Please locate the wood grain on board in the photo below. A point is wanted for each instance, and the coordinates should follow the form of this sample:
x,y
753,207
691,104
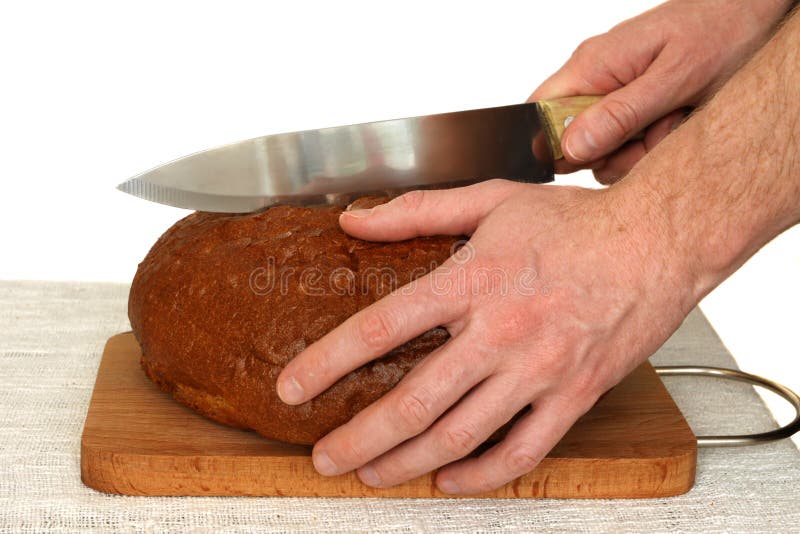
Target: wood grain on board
x,y
138,441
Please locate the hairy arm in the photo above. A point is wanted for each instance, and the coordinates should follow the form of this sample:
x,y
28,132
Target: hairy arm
x,y
652,69
728,180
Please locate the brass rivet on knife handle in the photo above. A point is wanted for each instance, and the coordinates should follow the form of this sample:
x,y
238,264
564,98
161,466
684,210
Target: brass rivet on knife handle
x,y
556,114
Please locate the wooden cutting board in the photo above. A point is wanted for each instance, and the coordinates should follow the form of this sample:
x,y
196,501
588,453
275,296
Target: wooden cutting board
x,y
138,441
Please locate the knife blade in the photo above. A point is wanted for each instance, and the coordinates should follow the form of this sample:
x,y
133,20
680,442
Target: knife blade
x,y
336,165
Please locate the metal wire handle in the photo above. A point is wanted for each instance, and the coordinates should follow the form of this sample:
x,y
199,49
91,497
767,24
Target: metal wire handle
x,y
739,376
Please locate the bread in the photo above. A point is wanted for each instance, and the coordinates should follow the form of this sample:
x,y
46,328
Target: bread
x,y
222,302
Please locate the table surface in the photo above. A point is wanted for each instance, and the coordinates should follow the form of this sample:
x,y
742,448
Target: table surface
x,y
51,338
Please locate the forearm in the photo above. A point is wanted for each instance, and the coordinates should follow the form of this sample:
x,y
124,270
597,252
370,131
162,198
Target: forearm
x,y
753,21
728,180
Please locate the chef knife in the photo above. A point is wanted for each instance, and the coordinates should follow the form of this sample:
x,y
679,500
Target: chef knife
x,y
336,165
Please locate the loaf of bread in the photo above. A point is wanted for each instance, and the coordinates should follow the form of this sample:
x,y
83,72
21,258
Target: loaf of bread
x,y
222,302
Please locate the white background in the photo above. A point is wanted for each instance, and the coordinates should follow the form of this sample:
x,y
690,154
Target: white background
x,y
92,93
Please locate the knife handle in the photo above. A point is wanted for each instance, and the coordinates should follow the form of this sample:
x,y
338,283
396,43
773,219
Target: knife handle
x,y
556,114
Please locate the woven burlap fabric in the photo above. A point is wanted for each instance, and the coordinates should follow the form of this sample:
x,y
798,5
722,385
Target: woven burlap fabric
x,y
51,338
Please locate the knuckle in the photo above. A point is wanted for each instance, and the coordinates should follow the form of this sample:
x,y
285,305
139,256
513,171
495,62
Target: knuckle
x,y
376,330
521,459
495,183
413,200
508,326
587,47
458,442
584,390
415,410
585,385
622,117
555,363
482,485
352,452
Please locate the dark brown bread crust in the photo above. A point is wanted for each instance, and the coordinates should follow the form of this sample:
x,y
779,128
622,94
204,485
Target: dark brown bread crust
x,y
222,302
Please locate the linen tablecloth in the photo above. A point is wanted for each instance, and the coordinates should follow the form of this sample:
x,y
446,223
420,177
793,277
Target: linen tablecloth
x,y
51,338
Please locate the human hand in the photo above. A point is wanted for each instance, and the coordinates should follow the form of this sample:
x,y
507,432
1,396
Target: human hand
x,y
653,68
558,294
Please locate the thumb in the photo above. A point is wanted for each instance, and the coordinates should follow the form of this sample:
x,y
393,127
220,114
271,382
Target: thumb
x,y
620,115
427,212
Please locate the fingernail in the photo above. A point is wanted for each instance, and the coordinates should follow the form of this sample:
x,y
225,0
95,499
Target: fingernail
x,y
324,465
369,476
448,485
290,391
358,214
580,145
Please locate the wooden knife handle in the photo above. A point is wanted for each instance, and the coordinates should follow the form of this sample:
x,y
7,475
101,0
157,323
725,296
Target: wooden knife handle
x,y
556,114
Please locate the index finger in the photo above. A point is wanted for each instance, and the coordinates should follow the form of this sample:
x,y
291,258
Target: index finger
x,y
564,82
372,332
580,75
